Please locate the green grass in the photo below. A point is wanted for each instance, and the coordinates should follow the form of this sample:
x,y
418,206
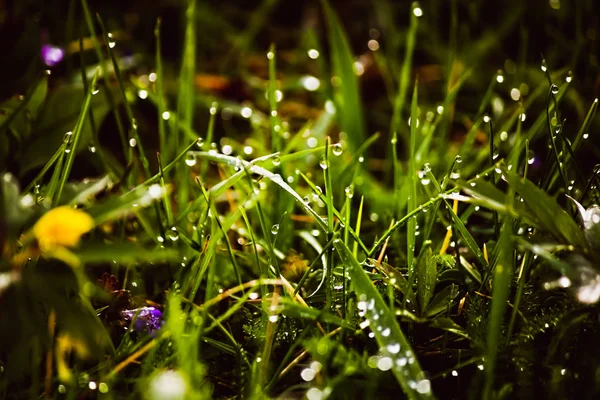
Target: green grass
x,y
420,225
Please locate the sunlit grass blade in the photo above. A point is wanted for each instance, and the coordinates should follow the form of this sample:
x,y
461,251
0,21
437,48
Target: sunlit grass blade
x,y
330,225
256,169
389,336
556,220
412,193
335,212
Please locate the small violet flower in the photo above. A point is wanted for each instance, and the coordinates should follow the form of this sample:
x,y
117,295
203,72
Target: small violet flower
x,y
51,55
149,319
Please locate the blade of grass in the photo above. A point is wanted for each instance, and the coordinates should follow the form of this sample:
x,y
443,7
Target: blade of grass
x,y
412,194
330,227
74,142
403,84
389,336
346,95
160,94
132,124
186,97
103,74
501,283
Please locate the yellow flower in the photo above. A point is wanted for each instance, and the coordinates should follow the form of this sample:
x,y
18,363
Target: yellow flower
x,y
61,226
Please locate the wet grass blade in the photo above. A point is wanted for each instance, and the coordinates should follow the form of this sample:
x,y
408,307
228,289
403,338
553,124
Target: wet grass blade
x,y
389,336
330,224
135,140
427,278
554,219
412,195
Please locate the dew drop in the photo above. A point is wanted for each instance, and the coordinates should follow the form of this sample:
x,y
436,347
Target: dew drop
x,y
68,137
554,89
190,159
569,77
111,41
275,229
499,76
337,149
323,163
349,190
276,160
393,348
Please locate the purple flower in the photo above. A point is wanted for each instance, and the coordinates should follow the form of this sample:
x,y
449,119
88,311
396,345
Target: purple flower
x,y
148,319
52,55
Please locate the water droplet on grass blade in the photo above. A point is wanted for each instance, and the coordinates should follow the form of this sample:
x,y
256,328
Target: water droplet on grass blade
x,y
275,229
323,163
337,149
569,77
190,159
173,234
68,137
276,160
349,190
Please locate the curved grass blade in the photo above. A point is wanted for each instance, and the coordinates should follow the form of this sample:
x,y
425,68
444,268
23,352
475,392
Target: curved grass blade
x,y
389,336
255,169
556,220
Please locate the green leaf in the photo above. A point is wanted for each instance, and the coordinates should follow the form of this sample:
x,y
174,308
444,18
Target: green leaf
x,y
58,116
13,213
125,204
296,310
501,283
440,301
550,215
19,113
426,278
389,336
448,325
